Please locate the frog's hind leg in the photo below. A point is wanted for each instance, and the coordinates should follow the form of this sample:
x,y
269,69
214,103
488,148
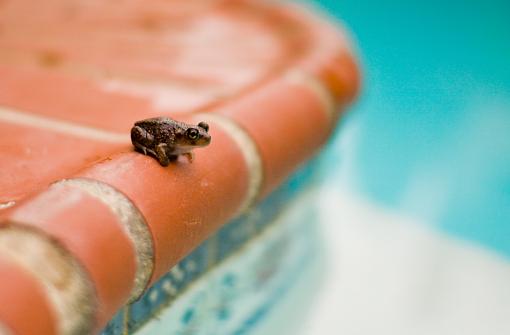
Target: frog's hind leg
x,y
140,148
141,139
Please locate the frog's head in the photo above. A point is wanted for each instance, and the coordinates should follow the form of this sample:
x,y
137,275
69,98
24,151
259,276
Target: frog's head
x,y
194,136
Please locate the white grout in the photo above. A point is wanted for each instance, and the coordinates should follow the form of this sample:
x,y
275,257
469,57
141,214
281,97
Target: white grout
x,y
60,126
131,219
250,152
326,98
64,280
5,205
4,330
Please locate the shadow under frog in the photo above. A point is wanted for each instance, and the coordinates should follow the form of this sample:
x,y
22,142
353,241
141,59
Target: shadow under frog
x,y
166,139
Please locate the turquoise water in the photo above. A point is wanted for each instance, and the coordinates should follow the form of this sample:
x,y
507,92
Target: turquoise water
x,y
430,134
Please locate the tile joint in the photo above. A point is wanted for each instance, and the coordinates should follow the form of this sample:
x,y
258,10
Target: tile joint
x,y
132,221
250,152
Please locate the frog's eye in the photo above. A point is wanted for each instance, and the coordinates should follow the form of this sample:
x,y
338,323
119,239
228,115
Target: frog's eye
x,y
192,133
204,126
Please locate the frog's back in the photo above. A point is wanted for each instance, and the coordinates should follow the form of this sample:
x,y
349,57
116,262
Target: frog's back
x,y
155,121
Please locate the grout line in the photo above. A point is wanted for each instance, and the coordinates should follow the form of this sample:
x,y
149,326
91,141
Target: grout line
x,y
61,126
212,251
5,205
132,221
4,330
301,78
65,282
250,152
126,312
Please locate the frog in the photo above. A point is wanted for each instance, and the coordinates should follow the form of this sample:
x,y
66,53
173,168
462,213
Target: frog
x,y
165,138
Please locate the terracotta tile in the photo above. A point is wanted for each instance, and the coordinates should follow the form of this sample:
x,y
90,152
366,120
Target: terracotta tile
x,y
184,202
67,98
31,158
190,64
340,74
92,233
162,55
329,54
287,122
65,282
25,309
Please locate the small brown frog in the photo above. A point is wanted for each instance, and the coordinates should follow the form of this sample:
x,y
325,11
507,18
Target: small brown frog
x,y
166,139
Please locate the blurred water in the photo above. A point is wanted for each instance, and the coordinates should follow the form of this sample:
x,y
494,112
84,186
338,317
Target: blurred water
x,y
430,134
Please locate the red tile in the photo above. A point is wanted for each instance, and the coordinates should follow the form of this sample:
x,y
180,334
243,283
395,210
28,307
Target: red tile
x,y
25,308
88,229
340,74
126,70
32,158
288,123
329,55
66,98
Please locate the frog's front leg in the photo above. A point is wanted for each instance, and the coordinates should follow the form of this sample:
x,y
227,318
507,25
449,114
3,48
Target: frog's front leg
x,y
141,139
190,156
161,154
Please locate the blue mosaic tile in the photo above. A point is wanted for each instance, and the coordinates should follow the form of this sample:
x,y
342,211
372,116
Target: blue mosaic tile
x,y
226,241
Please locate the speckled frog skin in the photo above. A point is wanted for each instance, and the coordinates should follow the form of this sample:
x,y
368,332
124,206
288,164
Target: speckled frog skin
x,y
166,139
